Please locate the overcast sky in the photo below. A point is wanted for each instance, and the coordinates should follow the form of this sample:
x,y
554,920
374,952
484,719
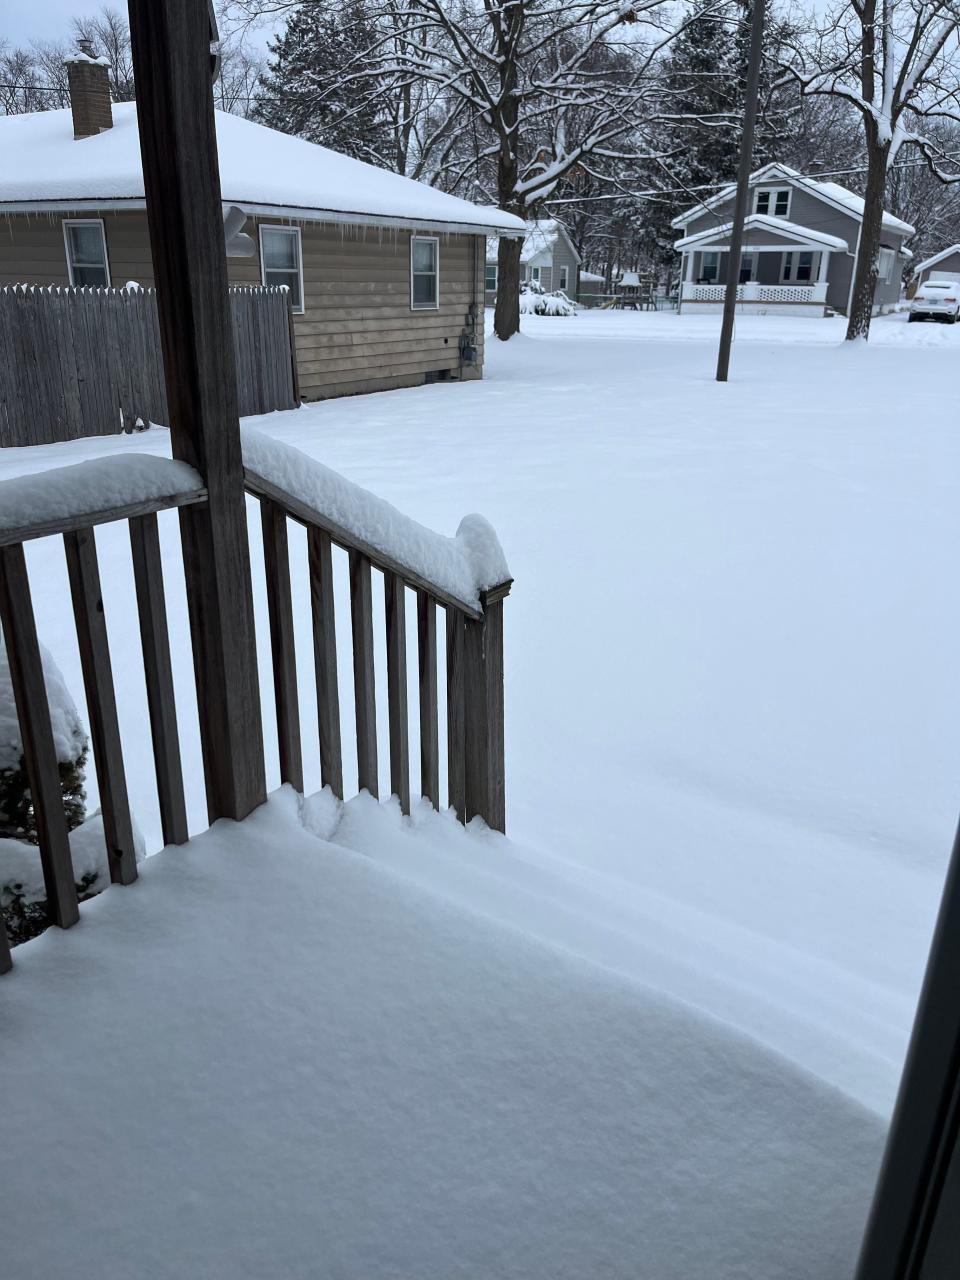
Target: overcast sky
x,y
42,19
25,20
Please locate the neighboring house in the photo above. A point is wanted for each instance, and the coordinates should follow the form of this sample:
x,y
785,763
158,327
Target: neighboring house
x,y
385,274
591,290
799,248
548,256
942,266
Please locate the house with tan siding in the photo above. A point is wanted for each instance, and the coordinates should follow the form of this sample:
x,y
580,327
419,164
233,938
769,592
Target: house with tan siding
x,y
385,274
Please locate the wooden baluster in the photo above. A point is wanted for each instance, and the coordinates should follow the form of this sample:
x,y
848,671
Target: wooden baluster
x,y
429,727
325,658
158,673
361,608
101,703
6,960
456,750
276,563
396,618
483,681
36,732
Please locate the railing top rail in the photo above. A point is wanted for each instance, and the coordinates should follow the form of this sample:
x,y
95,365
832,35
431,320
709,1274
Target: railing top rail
x,y
466,571
99,491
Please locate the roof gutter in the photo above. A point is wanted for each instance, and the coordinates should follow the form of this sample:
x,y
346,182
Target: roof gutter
x,y
293,212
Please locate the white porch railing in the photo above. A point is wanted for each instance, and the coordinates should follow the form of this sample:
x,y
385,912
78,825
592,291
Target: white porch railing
x,y
754,292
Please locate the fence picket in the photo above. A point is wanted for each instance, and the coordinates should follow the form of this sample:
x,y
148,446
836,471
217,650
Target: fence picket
x,y
85,362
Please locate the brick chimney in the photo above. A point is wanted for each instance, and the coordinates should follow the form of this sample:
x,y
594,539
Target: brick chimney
x,y
89,79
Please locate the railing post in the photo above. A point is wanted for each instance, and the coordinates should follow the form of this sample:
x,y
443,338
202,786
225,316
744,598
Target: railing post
x,y
483,681
170,42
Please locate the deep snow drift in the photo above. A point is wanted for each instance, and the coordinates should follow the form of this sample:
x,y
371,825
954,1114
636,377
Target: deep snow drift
x,y
732,700
273,1057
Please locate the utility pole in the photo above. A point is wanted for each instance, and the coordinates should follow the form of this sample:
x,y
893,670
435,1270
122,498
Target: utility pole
x,y
743,187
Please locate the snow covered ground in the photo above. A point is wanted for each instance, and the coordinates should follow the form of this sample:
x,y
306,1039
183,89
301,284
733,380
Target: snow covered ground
x,y
731,680
274,1058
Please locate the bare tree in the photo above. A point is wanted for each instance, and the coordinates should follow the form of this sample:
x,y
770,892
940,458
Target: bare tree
x,y
895,63
507,98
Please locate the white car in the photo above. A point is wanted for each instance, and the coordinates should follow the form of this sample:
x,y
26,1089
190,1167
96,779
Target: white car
x,y
936,300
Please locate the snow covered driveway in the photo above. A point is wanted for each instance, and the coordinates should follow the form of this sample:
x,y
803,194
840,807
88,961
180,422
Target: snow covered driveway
x,y
732,672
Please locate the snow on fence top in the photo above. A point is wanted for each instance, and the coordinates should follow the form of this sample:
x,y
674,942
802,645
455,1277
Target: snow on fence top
x,y
49,500
463,566
261,170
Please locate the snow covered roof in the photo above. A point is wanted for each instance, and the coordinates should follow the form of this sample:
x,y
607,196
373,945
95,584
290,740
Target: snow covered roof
x,y
937,257
631,279
830,192
766,222
541,236
261,170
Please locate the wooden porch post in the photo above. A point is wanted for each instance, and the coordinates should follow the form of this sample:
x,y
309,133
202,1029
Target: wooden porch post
x,y
170,42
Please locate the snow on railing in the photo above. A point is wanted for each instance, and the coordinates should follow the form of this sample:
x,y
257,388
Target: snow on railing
x,y
461,567
467,575
93,492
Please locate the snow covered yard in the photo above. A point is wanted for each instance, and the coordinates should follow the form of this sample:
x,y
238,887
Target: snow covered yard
x,y
732,758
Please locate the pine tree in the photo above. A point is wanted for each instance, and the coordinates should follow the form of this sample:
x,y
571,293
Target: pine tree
x,y
307,89
703,92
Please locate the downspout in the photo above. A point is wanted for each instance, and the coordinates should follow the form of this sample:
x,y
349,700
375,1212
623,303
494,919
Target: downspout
x,y
853,269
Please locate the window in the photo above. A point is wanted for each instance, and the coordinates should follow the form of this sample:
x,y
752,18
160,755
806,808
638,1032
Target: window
x,y
748,263
775,202
424,273
490,278
798,267
86,253
535,274
563,278
710,267
281,262
885,265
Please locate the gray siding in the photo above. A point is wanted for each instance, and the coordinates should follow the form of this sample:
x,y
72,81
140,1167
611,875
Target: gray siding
x,y
563,256
358,331
950,264
805,209
808,211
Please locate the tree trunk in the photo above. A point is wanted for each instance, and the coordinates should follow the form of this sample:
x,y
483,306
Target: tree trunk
x,y
868,248
506,317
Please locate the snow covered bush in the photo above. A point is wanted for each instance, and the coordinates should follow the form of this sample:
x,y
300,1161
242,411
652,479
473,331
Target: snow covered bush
x,y
535,301
22,899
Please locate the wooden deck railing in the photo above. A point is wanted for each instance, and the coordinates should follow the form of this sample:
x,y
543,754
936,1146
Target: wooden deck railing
x,y
474,638
474,668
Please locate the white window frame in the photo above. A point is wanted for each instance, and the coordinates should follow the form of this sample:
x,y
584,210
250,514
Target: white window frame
x,y
710,253
794,256
564,274
491,266
748,262
535,274
886,276
85,222
773,192
293,231
425,306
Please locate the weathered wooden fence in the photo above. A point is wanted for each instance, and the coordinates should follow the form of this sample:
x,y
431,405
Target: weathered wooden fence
x,y
87,362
